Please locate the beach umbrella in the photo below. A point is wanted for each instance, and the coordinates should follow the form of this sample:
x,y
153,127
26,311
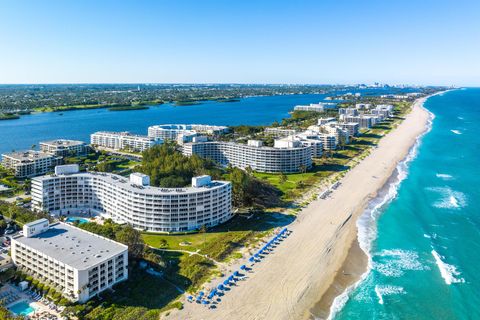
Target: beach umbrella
x,y
204,302
220,286
226,282
201,293
251,259
243,267
236,273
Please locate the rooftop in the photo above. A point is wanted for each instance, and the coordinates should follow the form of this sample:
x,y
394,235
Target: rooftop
x,y
72,246
126,184
63,142
28,155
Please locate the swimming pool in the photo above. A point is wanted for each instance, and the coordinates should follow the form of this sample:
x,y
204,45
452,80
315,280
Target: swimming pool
x,y
77,219
22,309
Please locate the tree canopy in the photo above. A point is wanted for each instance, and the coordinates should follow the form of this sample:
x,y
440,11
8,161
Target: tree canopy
x,y
169,168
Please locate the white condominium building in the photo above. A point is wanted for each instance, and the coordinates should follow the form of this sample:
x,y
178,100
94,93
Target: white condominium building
x,y
183,133
383,110
363,106
134,201
123,141
348,111
364,121
340,134
329,141
30,163
304,139
254,155
280,132
77,263
317,107
322,121
64,148
351,127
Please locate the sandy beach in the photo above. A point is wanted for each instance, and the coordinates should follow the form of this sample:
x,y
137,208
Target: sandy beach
x,y
321,256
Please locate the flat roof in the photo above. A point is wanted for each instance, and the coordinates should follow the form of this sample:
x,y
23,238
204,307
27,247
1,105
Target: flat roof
x,y
63,142
28,155
72,246
126,184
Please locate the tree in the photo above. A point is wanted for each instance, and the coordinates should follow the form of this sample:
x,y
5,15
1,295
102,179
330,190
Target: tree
x,y
133,239
283,178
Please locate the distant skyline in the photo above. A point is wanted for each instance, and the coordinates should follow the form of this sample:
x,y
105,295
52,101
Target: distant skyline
x,y
302,42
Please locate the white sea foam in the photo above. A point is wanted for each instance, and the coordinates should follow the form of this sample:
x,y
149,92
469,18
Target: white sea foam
x,y
382,291
366,224
449,198
444,176
394,263
456,131
448,272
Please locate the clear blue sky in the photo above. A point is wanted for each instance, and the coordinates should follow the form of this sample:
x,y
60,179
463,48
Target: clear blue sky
x,y
202,41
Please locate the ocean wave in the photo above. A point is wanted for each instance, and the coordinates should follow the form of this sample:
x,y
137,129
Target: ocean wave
x,y
394,263
449,198
387,290
444,176
456,131
448,272
366,224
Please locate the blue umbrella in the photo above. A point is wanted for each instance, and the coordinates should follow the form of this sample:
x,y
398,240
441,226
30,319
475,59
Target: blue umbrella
x,y
243,267
226,282
201,293
204,302
251,259
220,287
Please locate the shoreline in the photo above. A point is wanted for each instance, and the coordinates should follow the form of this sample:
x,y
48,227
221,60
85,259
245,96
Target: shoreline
x,y
289,282
376,207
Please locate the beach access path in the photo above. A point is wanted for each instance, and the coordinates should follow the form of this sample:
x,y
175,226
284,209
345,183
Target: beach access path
x,y
289,281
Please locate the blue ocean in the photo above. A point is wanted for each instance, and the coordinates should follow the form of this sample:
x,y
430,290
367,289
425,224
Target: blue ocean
x,y
422,234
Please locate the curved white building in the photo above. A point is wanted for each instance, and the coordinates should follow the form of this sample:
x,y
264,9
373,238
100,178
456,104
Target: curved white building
x,y
134,201
289,159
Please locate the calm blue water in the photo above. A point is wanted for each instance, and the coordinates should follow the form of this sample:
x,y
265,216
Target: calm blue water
x,y
29,130
426,247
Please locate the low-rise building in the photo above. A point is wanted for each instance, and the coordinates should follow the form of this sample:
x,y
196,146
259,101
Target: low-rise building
x,y
30,163
64,148
77,263
123,141
133,200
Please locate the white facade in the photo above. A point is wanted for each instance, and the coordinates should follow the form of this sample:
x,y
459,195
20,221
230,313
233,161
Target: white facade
x,y
30,163
133,201
257,157
280,132
64,148
183,133
77,263
317,107
123,141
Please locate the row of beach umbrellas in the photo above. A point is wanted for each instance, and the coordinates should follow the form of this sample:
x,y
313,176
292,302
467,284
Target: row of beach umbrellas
x,y
203,299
